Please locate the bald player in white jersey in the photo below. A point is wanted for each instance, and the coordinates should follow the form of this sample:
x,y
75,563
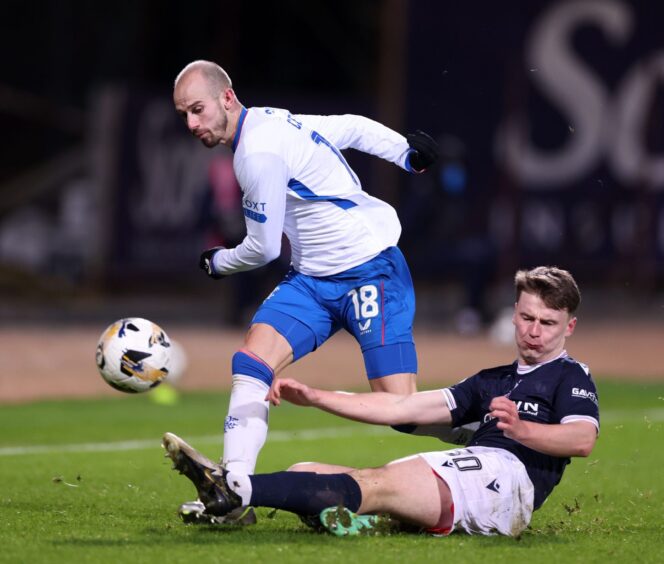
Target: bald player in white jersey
x,y
346,270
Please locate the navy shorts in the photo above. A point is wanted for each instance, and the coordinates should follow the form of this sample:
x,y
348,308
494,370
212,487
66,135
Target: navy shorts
x,y
374,302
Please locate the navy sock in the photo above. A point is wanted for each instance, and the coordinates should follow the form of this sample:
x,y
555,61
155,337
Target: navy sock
x,y
304,493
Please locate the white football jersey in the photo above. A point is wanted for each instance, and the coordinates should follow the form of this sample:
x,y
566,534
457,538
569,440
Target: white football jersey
x,y
295,180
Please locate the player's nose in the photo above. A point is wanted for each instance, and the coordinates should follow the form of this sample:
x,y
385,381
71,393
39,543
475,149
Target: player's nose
x,y
192,122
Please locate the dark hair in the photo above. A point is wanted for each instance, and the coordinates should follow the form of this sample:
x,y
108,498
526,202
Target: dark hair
x,y
554,286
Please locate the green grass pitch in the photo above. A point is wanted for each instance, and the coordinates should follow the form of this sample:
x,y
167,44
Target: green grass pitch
x,y
86,481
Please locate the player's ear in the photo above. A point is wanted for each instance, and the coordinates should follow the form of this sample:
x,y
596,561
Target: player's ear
x,y
571,324
227,98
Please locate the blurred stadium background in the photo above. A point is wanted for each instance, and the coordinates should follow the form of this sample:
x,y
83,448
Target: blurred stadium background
x,y
549,115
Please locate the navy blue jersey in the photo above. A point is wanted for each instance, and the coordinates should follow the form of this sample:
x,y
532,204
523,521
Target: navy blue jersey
x,y
559,391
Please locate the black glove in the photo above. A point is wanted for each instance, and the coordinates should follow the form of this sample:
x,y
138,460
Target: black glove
x,y
205,263
424,150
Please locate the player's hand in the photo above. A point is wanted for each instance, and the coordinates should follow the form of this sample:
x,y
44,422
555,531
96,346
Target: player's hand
x,y
292,391
424,150
505,410
205,263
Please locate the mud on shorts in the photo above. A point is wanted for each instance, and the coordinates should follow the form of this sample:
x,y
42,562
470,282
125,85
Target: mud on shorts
x,y
490,487
374,302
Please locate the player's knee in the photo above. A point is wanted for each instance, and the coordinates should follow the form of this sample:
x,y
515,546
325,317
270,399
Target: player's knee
x,y
302,467
248,364
301,339
402,384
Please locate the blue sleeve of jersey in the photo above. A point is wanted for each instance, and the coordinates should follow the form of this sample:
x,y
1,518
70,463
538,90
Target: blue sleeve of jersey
x,y
466,398
576,396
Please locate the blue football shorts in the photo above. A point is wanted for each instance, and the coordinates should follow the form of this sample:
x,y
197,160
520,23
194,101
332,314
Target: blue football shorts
x,y
374,302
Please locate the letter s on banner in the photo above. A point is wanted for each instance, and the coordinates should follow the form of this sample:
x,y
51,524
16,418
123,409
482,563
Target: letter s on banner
x,y
574,88
629,159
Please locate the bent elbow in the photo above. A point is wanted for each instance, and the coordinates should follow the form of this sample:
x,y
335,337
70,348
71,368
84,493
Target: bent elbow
x,y
271,252
585,448
264,252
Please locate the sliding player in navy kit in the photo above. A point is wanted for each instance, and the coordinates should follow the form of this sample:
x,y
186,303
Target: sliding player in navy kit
x,y
346,271
534,415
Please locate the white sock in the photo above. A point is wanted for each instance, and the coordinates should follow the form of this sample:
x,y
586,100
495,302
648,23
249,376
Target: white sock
x,y
245,427
241,485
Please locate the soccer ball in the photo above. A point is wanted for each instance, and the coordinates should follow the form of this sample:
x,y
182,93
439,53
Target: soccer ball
x,y
133,355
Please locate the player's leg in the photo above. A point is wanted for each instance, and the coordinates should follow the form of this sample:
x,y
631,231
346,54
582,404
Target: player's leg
x,y
320,468
253,367
245,425
491,489
478,490
481,491
266,342
403,496
288,325
380,316
376,301
407,490
402,383
314,521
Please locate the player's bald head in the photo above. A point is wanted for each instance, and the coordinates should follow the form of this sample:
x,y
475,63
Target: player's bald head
x,y
216,78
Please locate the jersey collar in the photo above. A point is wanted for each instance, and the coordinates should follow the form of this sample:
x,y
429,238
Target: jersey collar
x,y
240,123
526,369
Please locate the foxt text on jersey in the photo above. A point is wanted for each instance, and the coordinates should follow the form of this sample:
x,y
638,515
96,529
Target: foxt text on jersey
x,y
252,210
258,206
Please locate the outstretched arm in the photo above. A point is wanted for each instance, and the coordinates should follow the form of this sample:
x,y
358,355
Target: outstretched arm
x,y
576,438
380,408
414,153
